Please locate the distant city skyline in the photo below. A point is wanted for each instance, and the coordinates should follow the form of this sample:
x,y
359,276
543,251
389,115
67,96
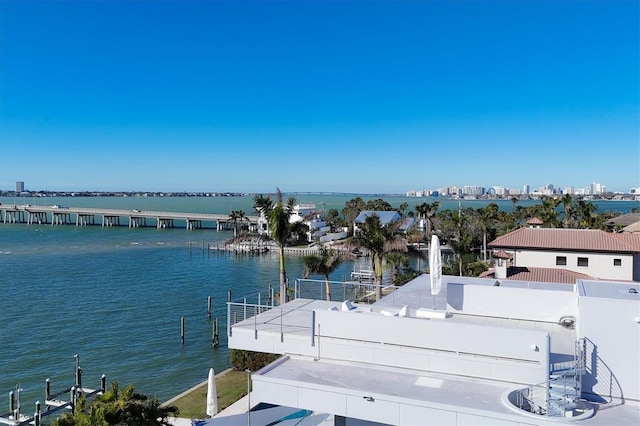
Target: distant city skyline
x,y
593,188
356,97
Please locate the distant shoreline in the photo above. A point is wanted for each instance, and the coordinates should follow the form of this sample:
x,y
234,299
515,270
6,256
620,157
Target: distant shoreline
x,y
520,197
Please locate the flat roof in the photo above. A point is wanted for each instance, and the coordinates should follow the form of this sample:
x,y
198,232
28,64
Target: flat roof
x,y
432,390
612,290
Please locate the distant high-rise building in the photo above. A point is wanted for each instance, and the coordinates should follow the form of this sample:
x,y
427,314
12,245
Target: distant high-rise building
x,y
526,189
19,186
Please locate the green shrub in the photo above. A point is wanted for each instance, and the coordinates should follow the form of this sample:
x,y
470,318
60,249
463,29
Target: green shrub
x,y
248,360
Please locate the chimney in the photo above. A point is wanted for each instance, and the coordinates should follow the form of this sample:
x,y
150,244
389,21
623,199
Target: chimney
x,y
501,269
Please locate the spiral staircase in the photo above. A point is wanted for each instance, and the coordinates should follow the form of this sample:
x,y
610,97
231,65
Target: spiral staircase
x,y
559,396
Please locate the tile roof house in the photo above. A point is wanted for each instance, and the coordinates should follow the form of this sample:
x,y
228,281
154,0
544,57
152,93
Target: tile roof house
x,y
547,275
623,220
589,252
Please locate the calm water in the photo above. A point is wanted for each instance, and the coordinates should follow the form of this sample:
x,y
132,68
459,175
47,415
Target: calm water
x,y
116,295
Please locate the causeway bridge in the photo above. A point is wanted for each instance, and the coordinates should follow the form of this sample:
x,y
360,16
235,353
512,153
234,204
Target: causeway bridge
x,y
134,218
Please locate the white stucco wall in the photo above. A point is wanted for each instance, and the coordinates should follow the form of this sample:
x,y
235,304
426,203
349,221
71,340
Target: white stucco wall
x,y
611,328
498,353
517,303
600,264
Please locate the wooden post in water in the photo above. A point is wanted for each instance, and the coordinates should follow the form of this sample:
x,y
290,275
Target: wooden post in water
x,y
215,338
78,373
12,402
37,416
182,330
72,398
209,306
47,390
103,383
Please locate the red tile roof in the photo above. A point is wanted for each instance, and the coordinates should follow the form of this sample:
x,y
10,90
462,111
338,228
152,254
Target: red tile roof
x,y
501,254
568,239
535,221
547,275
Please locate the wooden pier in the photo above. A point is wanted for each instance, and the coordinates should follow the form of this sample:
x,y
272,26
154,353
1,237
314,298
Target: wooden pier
x,y
134,218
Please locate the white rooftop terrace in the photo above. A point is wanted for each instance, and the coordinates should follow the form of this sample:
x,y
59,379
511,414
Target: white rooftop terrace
x,y
370,363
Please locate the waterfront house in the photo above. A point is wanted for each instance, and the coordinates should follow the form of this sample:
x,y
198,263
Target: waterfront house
x,y
475,354
386,218
590,252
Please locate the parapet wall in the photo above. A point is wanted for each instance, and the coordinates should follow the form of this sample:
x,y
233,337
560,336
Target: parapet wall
x,y
437,345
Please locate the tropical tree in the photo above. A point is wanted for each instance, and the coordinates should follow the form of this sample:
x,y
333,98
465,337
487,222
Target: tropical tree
x,y
586,214
351,210
567,203
119,407
332,218
325,263
279,226
403,207
262,204
547,212
427,212
237,216
379,205
487,216
454,228
514,200
395,261
380,240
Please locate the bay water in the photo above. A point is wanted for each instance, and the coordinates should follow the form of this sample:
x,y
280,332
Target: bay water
x,y
116,295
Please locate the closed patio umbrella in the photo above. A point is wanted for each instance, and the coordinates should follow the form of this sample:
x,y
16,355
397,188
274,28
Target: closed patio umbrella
x,y
212,395
435,267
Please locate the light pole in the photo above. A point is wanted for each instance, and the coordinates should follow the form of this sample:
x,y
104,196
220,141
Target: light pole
x,y
248,396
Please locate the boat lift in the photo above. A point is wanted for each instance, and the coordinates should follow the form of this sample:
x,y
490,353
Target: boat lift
x,y
53,402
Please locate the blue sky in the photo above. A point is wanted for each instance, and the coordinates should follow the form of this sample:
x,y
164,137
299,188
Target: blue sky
x,y
346,96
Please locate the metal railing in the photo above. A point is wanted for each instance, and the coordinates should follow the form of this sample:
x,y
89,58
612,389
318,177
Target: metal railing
x,y
364,292
559,394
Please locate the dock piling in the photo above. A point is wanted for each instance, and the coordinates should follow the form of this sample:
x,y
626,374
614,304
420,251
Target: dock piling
x,y
209,306
37,416
215,338
182,330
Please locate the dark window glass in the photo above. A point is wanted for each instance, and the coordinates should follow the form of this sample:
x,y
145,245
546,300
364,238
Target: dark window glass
x,y
583,261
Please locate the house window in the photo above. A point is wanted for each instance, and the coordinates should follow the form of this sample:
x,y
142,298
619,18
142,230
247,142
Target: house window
x,y
617,262
561,260
583,261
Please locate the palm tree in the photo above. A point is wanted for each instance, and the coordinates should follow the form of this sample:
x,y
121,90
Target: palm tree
x,y
586,213
487,215
567,203
262,204
351,210
394,261
237,216
403,207
279,230
514,200
325,263
380,240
